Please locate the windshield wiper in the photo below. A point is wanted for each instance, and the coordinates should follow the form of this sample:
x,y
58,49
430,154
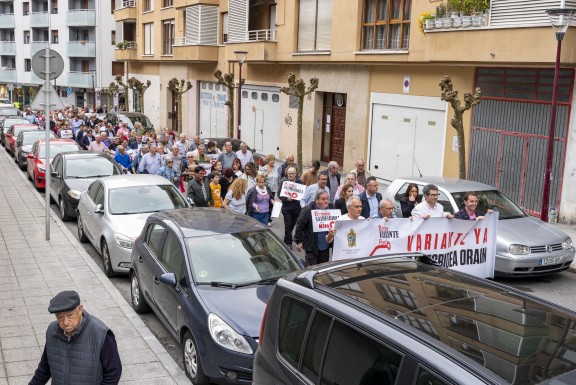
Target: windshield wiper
x,y
267,281
96,176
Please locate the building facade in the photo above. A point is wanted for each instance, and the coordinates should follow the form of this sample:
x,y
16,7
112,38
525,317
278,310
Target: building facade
x,y
81,31
379,72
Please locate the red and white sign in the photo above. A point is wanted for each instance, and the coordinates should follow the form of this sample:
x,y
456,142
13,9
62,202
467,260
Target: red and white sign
x,y
292,190
323,220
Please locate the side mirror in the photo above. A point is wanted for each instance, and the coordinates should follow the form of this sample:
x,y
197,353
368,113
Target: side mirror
x,y
168,279
99,209
54,174
190,201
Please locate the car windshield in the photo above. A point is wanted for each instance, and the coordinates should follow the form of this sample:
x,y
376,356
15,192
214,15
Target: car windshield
x,y
494,200
19,129
92,167
56,148
144,199
133,119
239,259
31,137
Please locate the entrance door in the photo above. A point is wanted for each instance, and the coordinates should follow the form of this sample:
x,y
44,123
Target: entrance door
x,y
333,128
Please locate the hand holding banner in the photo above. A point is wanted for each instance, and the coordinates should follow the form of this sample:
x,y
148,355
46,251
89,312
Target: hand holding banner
x,y
292,190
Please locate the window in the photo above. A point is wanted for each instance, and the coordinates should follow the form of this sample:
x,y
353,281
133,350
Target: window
x,y
27,65
26,37
275,98
386,24
153,237
55,36
149,39
294,317
427,378
315,346
54,6
254,95
315,25
148,5
224,27
173,260
264,97
244,94
168,30
25,8
93,190
166,3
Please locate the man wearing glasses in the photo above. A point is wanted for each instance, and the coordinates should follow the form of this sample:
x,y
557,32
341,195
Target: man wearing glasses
x,y
430,206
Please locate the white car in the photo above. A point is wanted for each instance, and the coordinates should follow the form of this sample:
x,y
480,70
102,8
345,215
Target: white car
x,y
112,213
6,103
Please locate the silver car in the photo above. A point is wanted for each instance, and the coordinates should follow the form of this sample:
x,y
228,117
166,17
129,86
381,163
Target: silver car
x,y
525,245
113,210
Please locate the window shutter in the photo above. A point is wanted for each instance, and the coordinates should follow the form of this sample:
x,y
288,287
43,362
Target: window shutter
x,y
148,39
208,25
521,12
324,27
193,25
307,25
237,21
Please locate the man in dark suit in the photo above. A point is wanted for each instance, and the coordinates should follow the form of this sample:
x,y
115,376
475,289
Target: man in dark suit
x,y
199,189
370,199
470,211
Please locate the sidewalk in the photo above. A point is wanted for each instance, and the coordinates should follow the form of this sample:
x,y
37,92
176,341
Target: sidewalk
x,y
33,270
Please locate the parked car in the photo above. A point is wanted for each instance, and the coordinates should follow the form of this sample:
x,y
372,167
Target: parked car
x,y
113,210
393,320
72,173
130,118
5,124
525,245
36,162
24,142
208,274
259,158
9,111
6,103
13,132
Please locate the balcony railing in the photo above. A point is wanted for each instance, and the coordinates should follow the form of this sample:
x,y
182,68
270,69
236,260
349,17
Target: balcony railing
x,y
7,20
120,4
126,44
80,79
36,46
262,35
81,48
181,41
38,19
81,18
8,75
8,48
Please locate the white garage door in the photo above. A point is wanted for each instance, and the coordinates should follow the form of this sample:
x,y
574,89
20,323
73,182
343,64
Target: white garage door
x,y
213,112
261,118
407,136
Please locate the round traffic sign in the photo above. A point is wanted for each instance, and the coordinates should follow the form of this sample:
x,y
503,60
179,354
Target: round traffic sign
x,y
39,64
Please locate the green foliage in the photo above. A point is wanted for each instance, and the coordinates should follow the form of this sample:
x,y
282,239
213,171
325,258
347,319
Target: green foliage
x,y
422,20
468,7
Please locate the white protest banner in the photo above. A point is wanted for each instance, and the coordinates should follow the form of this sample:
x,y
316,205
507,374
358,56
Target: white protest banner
x,y
207,167
213,157
292,190
323,220
276,209
466,246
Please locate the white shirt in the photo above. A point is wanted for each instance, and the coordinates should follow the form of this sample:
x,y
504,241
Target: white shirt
x,y
424,208
345,217
244,157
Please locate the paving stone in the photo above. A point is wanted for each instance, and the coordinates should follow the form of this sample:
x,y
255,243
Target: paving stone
x,y
22,354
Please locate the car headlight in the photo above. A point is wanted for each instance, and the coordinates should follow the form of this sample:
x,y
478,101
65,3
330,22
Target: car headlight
x,y
226,337
567,244
41,168
519,249
74,194
124,241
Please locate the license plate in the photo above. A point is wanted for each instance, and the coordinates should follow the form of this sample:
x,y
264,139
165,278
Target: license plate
x,y
551,261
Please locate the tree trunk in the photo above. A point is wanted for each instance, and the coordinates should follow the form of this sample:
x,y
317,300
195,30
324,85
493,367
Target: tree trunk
x,y
231,112
299,144
458,125
179,106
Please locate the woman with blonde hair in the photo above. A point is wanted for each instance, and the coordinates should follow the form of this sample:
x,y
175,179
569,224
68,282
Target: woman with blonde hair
x,y
235,199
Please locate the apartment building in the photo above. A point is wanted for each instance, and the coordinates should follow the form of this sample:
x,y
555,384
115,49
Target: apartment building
x,y
379,95
81,31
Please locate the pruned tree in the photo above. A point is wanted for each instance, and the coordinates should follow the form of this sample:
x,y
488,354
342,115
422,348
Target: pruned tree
x,y
450,95
179,87
297,88
139,87
227,80
120,83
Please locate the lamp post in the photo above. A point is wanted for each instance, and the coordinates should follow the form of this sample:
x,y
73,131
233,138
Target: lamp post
x,y
240,56
560,19
93,90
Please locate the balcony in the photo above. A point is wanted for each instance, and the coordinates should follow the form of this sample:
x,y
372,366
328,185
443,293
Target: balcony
x,y
31,78
81,18
8,76
7,20
126,51
8,48
81,48
126,10
187,3
186,49
80,79
36,46
38,19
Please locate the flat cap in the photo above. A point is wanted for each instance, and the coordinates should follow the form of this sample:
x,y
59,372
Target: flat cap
x,y
64,301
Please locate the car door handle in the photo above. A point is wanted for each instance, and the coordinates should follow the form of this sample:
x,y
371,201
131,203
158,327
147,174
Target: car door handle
x,y
156,281
140,259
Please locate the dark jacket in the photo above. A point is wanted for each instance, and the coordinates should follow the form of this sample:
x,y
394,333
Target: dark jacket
x,y
462,214
341,204
338,177
365,205
86,140
304,231
195,192
89,358
289,205
224,184
251,195
407,206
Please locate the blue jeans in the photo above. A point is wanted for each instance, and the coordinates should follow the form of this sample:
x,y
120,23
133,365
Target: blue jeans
x,y
261,217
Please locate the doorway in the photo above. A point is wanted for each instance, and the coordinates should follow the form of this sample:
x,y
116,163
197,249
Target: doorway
x,y
333,127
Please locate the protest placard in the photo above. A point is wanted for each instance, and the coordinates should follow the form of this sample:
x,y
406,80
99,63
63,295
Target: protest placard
x,y
292,190
323,220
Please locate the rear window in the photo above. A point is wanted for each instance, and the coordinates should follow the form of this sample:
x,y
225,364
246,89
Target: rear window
x,y
57,148
294,317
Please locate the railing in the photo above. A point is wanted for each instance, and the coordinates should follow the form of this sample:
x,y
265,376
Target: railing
x,y
36,46
8,48
80,79
7,20
8,75
81,18
180,41
81,48
126,44
262,35
38,19
125,4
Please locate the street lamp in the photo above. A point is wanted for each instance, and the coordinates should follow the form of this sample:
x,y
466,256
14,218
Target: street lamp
x,y
240,56
560,19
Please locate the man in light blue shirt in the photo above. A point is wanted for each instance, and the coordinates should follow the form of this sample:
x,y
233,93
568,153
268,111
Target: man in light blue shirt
x,y
311,190
151,162
228,156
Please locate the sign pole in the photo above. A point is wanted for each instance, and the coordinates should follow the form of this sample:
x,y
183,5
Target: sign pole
x,y
48,168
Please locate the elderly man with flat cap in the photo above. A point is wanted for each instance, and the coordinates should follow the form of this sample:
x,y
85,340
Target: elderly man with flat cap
x,y
79,348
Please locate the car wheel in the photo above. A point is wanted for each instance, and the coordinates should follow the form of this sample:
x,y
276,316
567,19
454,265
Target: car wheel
x,y
106,260
192,363
22,165
35,181
138,302
81,235
62,206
